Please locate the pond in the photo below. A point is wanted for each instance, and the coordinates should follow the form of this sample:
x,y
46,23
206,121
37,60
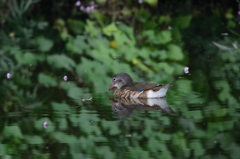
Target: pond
x,y
185,124
56,63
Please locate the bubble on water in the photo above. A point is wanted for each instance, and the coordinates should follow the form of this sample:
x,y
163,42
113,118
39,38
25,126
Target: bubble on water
x,y
65,78
9,75
45,124
186,70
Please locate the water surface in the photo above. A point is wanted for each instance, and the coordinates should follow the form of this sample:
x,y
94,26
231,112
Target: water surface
x,y
185,124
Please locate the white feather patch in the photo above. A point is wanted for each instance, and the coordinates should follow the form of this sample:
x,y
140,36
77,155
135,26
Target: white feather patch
x,y
158,101
160,93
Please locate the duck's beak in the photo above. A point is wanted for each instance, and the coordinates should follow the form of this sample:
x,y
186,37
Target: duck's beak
x,y
111,87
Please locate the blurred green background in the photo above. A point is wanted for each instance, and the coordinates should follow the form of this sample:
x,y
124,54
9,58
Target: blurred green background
x,y
42,41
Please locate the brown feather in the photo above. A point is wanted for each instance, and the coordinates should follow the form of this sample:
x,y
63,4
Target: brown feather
x,y
138,86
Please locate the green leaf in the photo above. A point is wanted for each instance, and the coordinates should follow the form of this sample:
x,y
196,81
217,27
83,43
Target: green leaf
x,y
64,138
130,53
3,148
166,68
75,93
112,128
43,44
86,122
178,68
91,29
225,90
184,86
78,45
42,25
34,140
62,124
175,52
28,58
61,61
127,31
163,37
105,152
92,69
47,80
162,54
13,131
101,1
38,124
60,107
111,30
68,85
197,148
149,34
125,39
156,146
183,21
77,26
163,137
151,2
196,115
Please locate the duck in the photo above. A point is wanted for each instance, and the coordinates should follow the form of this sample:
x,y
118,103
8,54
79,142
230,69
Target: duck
x,y
126,88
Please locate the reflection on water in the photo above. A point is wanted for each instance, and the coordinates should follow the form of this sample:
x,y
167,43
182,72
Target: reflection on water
x,y
183,125
123,107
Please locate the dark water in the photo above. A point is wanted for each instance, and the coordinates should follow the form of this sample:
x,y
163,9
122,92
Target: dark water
x,y
185,124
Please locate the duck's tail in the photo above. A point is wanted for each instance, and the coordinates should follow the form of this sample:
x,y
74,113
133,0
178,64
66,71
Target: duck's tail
x,y
161,92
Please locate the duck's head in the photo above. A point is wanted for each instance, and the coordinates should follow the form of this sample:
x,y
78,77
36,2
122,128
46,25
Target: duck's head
x,y
119,80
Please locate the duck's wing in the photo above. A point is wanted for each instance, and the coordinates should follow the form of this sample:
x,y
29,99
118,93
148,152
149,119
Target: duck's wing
x,y
142,86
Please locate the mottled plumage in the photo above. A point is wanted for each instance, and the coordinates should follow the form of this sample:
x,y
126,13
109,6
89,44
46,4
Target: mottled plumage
x,y
126,88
